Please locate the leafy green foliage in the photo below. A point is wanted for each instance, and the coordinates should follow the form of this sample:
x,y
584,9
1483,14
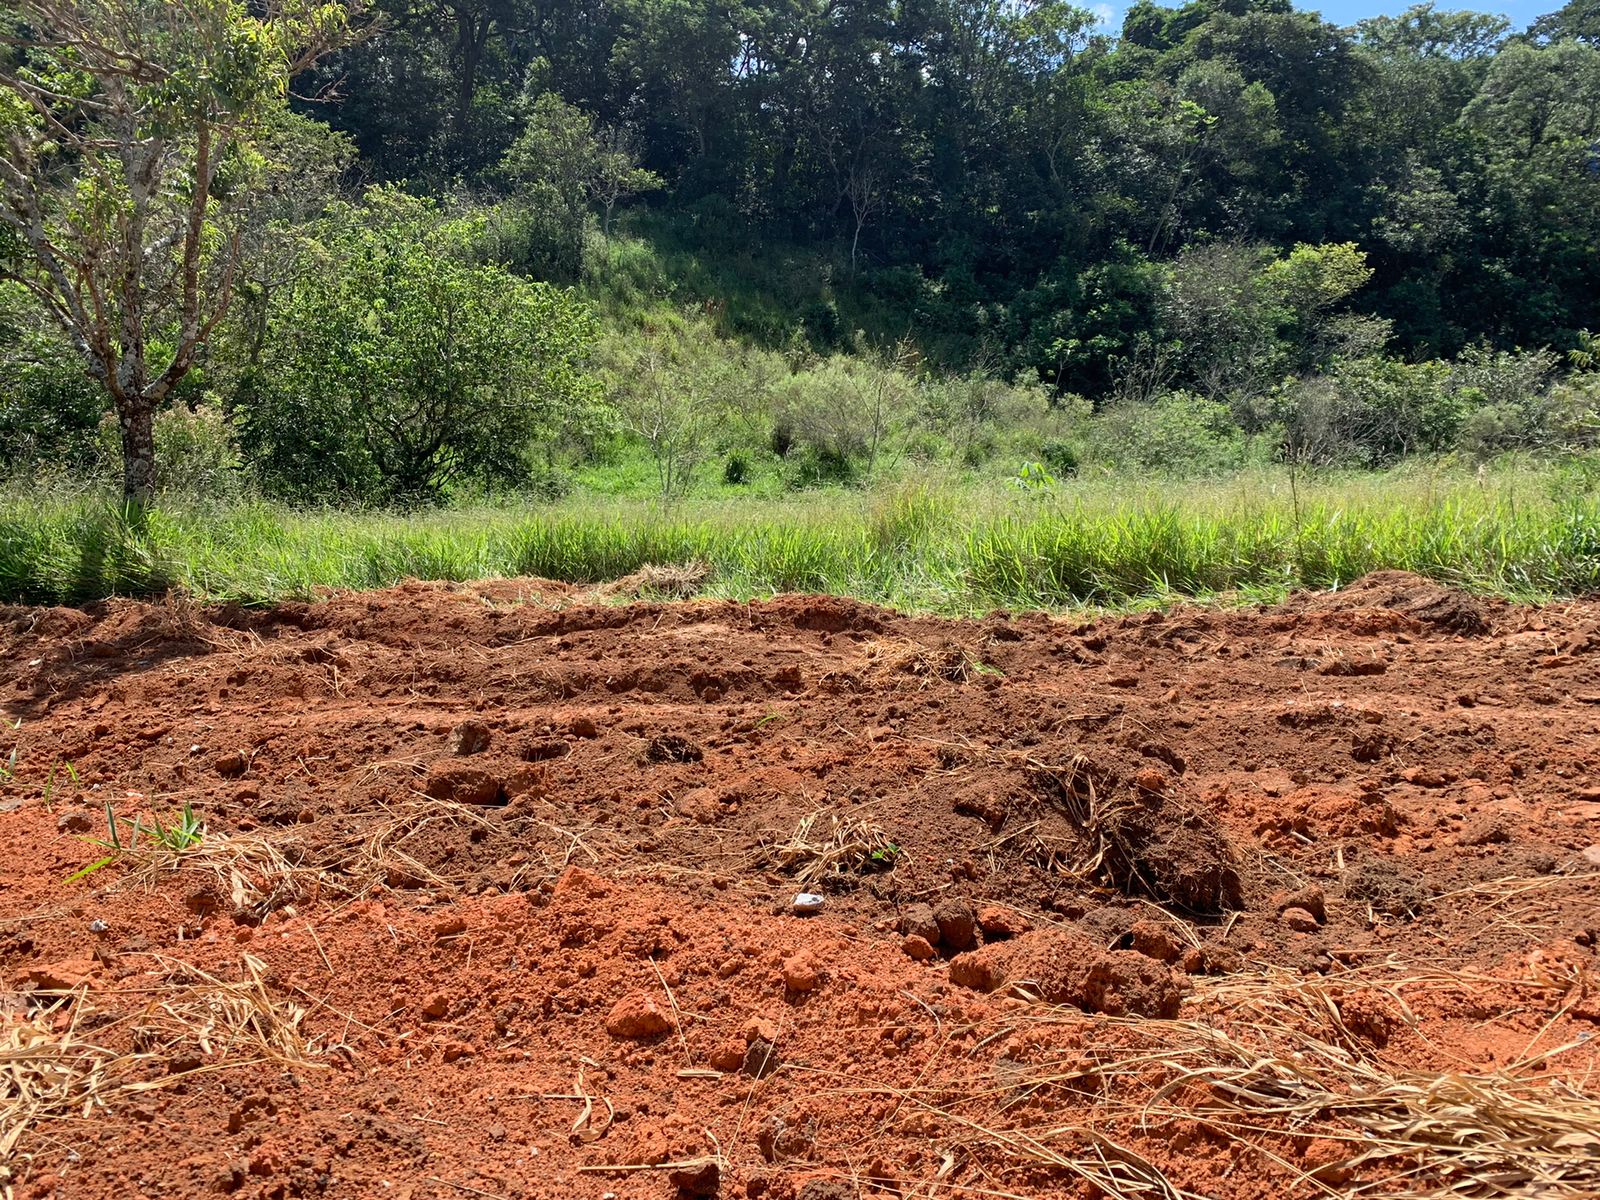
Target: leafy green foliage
x,y
559,165
115,121
184,831
399,370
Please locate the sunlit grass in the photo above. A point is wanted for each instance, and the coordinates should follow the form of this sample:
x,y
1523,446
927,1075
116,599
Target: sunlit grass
x,y
918,542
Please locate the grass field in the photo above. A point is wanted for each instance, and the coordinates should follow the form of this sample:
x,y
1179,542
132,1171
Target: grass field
x,y
917,542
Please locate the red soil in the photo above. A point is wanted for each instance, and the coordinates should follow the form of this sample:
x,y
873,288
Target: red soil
x,y
571,948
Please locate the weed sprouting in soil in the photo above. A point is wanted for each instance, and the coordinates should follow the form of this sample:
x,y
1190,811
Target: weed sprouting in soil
x,y
50,781
157,840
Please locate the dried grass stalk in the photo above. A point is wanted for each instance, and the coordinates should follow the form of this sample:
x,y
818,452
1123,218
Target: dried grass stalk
x,y
49,1074
231,1019
661,581
1097,811
948,660
827,843
1276,1058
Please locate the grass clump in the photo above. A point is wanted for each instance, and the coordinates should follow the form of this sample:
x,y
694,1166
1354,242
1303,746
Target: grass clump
x,y
924,545
156,840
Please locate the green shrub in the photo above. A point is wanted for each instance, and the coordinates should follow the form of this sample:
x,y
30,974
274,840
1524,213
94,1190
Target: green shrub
x,y
197,453
811,467
397,370
1061,457
1177,434
49,409
1374,411
977,413
846,413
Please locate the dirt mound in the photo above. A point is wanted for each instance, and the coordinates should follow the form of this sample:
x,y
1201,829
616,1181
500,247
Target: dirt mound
x,y
1064,967
466,889
1422,600
1145,836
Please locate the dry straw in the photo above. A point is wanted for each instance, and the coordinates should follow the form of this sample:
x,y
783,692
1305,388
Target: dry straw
x,y
948,660
50,1072
828,843
1270,1065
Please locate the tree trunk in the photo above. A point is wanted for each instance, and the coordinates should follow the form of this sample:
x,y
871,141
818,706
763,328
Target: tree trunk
x,y
472,33
137,418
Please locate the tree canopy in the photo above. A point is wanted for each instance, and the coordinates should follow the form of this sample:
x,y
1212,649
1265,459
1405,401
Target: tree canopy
x,y
1015,155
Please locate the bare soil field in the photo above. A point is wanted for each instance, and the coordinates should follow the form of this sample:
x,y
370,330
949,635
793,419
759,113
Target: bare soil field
x,y
495,897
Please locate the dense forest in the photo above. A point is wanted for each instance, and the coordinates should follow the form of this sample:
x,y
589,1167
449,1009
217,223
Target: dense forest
x,y
386,253
1010,173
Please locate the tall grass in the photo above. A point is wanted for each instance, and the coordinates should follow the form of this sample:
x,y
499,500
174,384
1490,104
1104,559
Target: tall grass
x,y
917,544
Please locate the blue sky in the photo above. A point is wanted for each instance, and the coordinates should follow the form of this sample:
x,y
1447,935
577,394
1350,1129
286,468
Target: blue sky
x,y
1347,12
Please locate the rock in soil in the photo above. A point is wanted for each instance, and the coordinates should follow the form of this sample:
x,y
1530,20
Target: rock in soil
x,y
1309,898
1155,940
917,920
464,785
801,973
918,947
637,1015
1063,967
469,737
957,924
760,1058
999,922
698,1179
1299,920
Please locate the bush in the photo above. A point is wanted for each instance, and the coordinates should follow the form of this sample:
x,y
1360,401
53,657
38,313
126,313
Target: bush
x,y
1176,434
814,468
846,413
49,409
48,415
1373,411
1061,457
821,324
1509,379
1569,414
975,413
397,370
1506,398
686,394
196,452
548,483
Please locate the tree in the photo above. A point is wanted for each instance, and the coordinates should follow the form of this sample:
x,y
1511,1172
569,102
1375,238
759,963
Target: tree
x,y
1226,319
399,369
561,163
616,174
1578,20
679,392
117,117
295,173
